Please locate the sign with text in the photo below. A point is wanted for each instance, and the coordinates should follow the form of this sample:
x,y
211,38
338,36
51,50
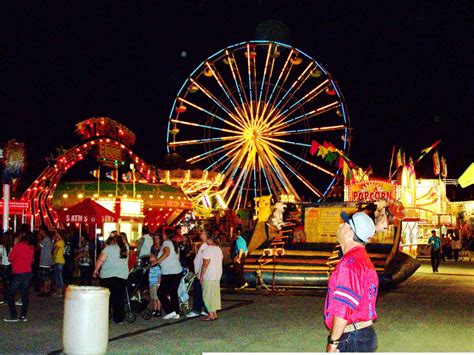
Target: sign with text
x,y
321,223
111,153
370,191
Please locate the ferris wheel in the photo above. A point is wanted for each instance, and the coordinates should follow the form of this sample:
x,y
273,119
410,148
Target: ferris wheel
x,y
251,112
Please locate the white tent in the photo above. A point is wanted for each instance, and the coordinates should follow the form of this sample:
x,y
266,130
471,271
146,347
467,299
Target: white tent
x,y
467,178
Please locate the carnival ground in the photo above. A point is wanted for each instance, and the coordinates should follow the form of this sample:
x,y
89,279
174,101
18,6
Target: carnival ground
x,y
427,313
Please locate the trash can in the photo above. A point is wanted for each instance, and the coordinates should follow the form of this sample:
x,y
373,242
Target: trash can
x,y
86,319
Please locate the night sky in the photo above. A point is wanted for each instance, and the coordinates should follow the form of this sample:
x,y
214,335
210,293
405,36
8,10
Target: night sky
x,y
405,69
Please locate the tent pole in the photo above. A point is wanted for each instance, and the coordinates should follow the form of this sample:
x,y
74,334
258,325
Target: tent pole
x,y
95,243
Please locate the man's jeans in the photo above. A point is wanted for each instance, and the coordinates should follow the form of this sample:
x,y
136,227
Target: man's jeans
x,y
58,276
435,259
21,282
363,340
198,303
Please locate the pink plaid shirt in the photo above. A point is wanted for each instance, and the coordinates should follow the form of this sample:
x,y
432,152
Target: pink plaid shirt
x,y
352,289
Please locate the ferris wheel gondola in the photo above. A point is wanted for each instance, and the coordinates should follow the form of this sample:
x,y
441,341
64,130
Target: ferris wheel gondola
x,y
251,112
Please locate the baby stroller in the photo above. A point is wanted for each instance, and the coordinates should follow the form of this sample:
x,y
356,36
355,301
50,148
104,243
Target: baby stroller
x,y
183,289
135,302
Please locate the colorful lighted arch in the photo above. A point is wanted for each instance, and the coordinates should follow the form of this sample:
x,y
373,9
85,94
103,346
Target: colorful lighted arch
x,y
99,133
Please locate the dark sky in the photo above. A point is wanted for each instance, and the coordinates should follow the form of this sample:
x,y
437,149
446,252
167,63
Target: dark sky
x,y
405,68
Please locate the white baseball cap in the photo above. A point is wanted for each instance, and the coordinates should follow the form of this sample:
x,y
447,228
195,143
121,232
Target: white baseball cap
x,y
362,225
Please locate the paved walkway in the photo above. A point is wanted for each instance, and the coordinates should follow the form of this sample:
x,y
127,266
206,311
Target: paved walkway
x,y
427,313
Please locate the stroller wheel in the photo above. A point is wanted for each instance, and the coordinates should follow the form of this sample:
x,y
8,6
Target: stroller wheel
x,y
130,317
146,314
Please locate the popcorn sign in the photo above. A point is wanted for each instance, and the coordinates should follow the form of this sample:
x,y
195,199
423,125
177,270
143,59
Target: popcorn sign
x,y
370,191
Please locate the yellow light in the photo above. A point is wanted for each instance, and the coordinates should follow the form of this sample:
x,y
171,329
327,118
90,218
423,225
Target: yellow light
x,y
80,195
65,195
150,196
139,196
161,196
95,195
110,195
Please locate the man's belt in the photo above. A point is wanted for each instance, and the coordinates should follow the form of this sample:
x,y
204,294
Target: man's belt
x,y
358,325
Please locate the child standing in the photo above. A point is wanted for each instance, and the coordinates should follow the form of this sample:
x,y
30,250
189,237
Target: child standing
x,y
154,278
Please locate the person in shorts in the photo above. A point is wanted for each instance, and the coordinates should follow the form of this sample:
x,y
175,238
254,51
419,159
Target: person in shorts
x,y
154,279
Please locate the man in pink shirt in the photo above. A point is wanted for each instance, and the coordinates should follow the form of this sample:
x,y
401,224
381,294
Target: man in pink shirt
x,y
352,291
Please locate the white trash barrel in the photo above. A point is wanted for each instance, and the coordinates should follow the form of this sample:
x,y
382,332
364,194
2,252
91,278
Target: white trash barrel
x,y
86,319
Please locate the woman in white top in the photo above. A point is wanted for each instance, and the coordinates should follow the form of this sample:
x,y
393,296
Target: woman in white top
x,y
171,273
210,277
5,267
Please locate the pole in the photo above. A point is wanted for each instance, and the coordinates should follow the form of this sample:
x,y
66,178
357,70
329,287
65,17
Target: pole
x,y
391,162
116,180
95,243
98,183
132,166
6,205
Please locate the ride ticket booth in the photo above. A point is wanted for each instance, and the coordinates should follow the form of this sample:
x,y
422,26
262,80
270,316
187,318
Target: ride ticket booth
x,y
130,212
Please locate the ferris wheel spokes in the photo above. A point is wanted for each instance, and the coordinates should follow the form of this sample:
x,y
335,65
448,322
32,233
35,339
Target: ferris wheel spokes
x,y
217,164
208,112
215,100
270,157
234,68
297,84
186,123
218,77
303,160
277,84
214,151
262,84
303,180
306,98
314,113
304,131
203,141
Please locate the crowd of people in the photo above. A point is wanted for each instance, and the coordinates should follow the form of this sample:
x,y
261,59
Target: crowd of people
x,y
169,253
46,260
448,247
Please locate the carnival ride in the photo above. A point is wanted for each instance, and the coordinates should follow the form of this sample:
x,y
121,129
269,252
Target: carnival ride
x,y
250,112
105,139
200,186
